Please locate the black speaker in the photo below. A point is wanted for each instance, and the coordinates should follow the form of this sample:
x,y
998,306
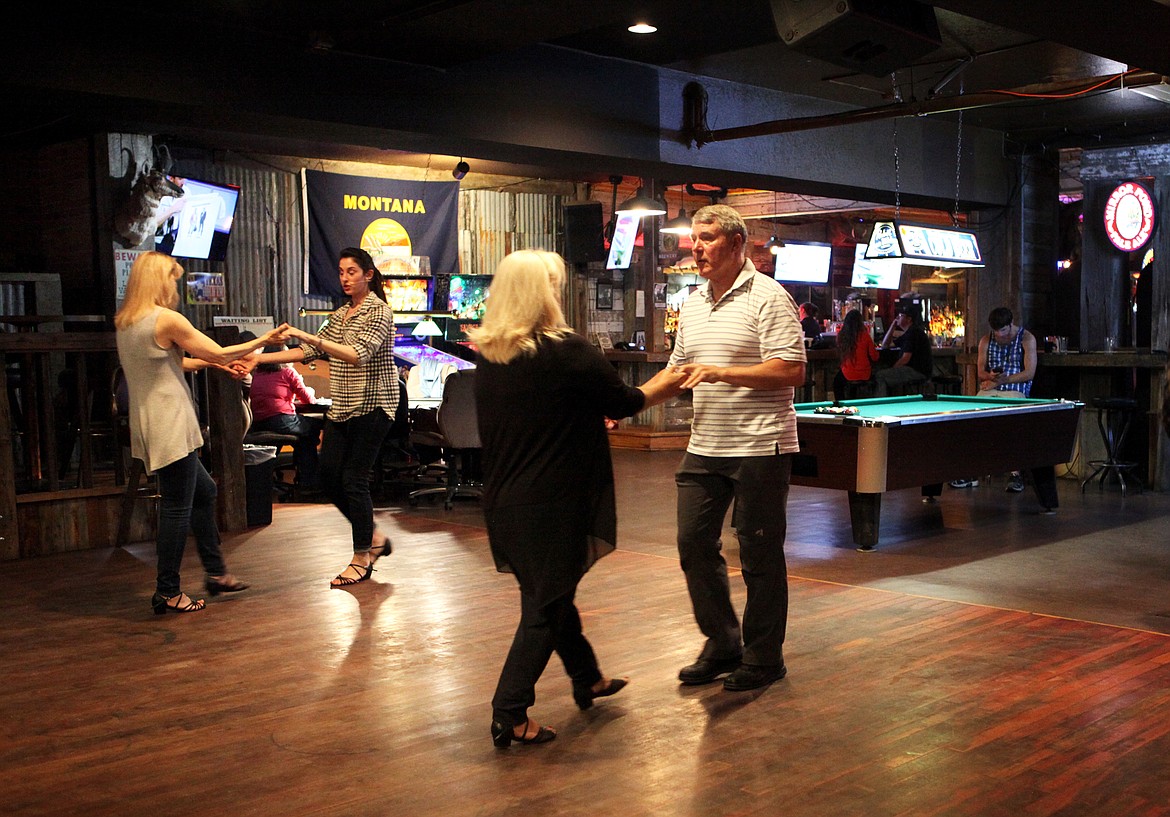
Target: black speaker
x,y
583,233
873,37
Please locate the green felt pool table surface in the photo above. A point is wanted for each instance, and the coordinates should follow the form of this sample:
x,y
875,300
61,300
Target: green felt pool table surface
x,y
903,442
917,408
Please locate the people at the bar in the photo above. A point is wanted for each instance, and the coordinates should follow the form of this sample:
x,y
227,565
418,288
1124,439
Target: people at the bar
x,y
741,345
857,352
542,396
915,363
809,322
152,338
358,340
273,395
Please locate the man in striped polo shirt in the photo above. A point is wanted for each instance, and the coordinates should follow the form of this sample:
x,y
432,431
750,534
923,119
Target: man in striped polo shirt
x,y
741,343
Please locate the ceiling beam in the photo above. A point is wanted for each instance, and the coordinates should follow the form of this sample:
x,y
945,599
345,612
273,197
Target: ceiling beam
x,y
1087,25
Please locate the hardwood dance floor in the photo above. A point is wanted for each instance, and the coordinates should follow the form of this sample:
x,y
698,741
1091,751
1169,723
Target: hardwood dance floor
x,y
920,684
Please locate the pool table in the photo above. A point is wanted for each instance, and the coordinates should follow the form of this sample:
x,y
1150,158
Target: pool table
x,y
907,442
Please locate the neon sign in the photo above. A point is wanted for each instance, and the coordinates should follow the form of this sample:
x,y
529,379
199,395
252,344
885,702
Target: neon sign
x,y
1129,216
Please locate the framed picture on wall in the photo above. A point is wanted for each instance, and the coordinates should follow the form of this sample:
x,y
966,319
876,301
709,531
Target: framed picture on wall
x,y
605,296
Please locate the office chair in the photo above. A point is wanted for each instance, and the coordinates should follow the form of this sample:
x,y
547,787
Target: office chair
x,y
284,462
458,436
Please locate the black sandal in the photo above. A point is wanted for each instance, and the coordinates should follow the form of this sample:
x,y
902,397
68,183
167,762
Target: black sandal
x,y
503,734
158,603
384,549
363,572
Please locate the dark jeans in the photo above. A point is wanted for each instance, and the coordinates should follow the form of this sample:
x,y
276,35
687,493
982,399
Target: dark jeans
x,y
348,452
897,377
556,627
308,433
759,486
187,503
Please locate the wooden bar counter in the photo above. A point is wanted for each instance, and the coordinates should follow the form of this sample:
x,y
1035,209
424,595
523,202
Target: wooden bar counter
x,y
665,427
1137,373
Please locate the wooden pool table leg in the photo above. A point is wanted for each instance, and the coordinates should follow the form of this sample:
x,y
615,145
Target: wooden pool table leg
x,y
865,511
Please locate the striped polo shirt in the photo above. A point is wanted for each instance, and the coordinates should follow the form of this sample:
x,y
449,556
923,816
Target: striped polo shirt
x,y
754,321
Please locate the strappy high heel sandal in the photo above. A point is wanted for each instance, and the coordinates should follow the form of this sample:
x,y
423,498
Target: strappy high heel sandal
x,y
363,571
216,585
161,604
384,549
503,735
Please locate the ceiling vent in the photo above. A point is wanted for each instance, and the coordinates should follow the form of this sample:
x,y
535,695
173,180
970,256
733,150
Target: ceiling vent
x,y
873,37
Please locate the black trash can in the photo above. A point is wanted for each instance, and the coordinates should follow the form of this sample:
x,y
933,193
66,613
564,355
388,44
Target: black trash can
x,y
259,465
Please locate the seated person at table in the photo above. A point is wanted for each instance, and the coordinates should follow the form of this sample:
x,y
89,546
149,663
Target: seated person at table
x,y
915,364
274,387
857,351
1007,365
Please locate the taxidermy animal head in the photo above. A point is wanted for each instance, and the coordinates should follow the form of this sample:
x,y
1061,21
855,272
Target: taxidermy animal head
x,y
138,217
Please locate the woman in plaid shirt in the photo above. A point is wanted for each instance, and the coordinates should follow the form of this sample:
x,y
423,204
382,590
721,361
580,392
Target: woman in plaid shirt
x,y
358,340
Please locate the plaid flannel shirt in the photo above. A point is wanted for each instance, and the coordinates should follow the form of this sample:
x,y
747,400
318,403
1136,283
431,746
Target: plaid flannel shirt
x,y
371,383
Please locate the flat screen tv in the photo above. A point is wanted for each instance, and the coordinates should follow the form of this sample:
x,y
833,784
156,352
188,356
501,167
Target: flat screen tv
x,y
804,262
878,273
467,296
198,223
407,294
625,234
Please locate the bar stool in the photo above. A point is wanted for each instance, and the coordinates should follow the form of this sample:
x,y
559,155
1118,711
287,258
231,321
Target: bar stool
x,y
947,383
910,388
1113,418
858,389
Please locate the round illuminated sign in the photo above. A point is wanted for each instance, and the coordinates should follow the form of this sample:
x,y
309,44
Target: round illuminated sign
x,y
1129,216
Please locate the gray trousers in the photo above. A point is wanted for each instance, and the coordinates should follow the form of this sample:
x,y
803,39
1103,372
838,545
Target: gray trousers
x,y
759,487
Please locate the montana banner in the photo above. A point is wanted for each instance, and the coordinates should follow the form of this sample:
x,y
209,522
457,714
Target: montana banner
x,y
393,220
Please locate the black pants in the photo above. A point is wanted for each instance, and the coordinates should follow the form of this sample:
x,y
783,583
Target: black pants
x,y
308,433
759,487
1044,483
186,505
556,627
348,452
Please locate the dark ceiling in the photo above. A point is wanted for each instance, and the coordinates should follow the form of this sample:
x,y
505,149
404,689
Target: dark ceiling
x,y
947,55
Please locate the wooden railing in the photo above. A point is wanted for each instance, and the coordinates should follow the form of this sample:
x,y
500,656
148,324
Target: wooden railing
x,y
62,463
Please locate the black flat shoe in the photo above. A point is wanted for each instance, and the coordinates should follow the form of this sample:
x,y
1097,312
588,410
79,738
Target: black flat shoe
x,y
161,604
584,695
706,670
215,586
503,735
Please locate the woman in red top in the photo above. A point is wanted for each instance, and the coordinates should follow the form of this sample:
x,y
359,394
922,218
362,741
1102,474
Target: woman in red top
x,y
274,387
858,353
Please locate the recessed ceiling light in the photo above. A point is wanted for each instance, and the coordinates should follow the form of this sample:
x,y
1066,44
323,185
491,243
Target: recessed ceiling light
x,y
642,28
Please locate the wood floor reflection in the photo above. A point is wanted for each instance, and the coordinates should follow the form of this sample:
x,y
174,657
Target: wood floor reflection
x,y
914,689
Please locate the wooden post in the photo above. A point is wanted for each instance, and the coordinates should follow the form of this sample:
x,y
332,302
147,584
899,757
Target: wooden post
x,y
225,418
9,546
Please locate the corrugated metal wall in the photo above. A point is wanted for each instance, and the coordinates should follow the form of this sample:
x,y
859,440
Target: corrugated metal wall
x,y
263,269
493,223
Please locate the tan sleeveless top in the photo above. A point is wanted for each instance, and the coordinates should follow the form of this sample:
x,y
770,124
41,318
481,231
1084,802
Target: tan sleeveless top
x,y
163,425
